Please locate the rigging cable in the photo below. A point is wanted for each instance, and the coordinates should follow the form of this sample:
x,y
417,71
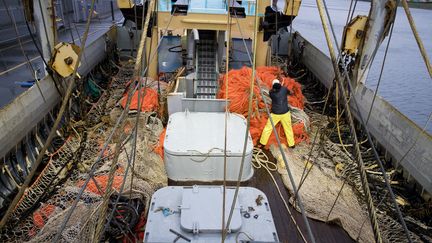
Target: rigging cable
x,y
304,176
363,177
306,171
68,20
45,28
53,130
62,111
349,12
136,125
251,63
353,10
382,67
290,31
138,74
349,16
369,62
417,37
141,99
400,161
228,41
368,134
101,154
119,120
260,160
246,136
361,165
403,157
48,69
302,210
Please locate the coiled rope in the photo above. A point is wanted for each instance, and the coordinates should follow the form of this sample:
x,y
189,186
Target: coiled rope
x,y
261,160
363,176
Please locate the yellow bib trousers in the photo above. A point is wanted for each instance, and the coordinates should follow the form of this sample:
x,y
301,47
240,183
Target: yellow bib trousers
x,y
285,119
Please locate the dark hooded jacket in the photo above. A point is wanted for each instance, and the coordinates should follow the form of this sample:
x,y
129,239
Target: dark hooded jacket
x,y
279,100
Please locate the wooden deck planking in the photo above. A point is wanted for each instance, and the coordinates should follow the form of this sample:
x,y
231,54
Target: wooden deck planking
x,y
286,229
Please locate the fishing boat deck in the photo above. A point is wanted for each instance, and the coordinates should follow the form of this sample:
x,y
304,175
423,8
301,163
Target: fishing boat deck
x,y
286,229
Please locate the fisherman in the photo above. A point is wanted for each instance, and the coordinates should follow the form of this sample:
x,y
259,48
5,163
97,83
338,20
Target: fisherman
x,y
279,113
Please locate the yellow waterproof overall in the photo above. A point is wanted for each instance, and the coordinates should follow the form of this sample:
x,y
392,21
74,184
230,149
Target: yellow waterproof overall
x,y
286,124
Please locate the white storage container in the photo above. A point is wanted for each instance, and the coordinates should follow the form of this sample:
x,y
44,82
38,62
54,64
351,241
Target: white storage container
x,y
194,214
194,147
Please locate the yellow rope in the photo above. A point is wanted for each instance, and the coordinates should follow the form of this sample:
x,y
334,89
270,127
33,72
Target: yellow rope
x,y
261,160
338,119
250,101
363,176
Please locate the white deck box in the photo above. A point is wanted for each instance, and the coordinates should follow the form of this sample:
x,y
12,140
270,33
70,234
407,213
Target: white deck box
x,y
194,147
194,214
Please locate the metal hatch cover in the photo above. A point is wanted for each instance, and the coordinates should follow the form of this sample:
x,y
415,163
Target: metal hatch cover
x,y
165,215
201,210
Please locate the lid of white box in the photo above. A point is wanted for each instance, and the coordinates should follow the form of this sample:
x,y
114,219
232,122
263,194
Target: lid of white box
x,y
201,209
203,134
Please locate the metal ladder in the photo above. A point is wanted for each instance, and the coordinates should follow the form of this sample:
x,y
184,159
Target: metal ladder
x,y
206,79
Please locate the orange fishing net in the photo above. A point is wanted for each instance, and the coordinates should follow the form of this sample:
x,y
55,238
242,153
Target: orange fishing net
x,y
42,214
149,103
102,182
238,94
159,148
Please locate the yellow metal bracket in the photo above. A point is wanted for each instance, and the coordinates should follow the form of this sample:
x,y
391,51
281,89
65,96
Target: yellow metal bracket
x,y
64,58
353,34
292,7
125,3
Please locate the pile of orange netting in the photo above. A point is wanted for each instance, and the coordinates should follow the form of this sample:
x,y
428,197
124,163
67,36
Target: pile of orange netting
x,y
159,147
41,215
238,94
149,103
102,182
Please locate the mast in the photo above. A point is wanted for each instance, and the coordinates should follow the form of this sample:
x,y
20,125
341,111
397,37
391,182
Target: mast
x,y
361,41
45,26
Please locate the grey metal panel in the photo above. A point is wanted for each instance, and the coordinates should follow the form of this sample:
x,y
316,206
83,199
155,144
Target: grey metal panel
x,y
18,118
94,53
124,41
394,131
204,105
174,102
190,86
315,60
397,134
279,43
169,60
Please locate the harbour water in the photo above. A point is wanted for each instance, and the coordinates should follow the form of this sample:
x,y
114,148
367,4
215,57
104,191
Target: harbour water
x,y
405,82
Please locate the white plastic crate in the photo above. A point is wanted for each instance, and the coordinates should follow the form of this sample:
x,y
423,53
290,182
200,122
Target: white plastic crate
x,y
194,147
